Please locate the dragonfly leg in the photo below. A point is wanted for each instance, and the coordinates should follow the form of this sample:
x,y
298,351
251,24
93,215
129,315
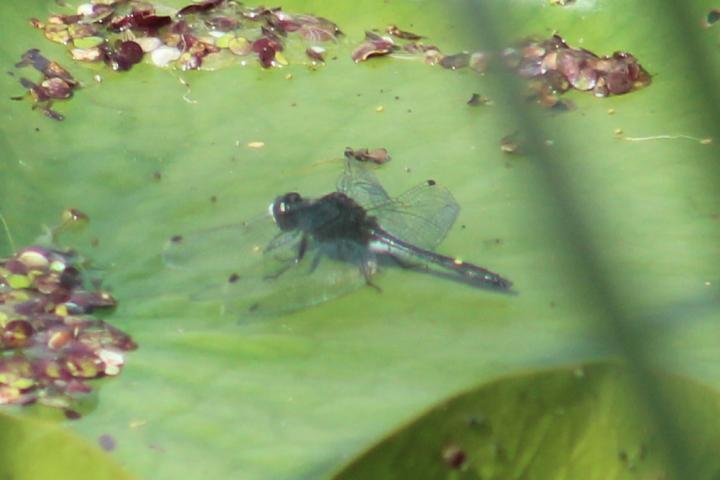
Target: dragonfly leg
x,y
302,249
285,268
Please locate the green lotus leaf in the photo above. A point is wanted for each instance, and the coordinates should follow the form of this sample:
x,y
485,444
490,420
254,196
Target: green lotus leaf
x,y
155,152
581,422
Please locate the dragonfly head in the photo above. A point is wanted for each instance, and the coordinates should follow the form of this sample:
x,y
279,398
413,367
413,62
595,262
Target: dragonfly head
x,y
284,211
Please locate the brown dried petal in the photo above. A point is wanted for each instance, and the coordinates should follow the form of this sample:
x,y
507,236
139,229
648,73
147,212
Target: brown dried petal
x,y
83,365
59,337
57,33
510,144
478,62
453,62
418,48
126,55
142,20
314,54
223,24
256,13
534,51
477,99
101,11
188,61
396,32
317,29
82,30
619,82
529,68
50,113
373,46
57,88
266,48
54,69
200,7
16,266
556,81
86,302
93,54
378,156
316,33
586,79
16,334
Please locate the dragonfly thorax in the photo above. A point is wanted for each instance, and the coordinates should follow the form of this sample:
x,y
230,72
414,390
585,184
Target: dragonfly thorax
x,y
331,217
337,216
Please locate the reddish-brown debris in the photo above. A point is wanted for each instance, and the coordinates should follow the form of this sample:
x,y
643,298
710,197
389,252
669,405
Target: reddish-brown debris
x,y
50,346
56,83
378,156
560,67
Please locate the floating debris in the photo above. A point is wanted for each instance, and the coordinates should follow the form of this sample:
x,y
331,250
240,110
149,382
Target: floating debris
x,y
378,156
551,65
554,68
396,32
373,46
476,99
56,83
454,457
562,3
50,345
453,62
107,442
120,33
511,144
702,141
316,54
376,45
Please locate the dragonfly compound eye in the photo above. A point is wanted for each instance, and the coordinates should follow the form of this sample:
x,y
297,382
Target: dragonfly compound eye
x,y
283,212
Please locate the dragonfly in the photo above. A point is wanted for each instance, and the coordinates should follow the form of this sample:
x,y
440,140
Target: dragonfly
x,y
306,251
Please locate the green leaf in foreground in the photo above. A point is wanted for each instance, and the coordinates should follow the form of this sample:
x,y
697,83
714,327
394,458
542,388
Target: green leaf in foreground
x,y
561,424
36,449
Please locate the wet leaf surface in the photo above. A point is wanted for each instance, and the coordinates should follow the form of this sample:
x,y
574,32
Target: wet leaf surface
x,y
213,395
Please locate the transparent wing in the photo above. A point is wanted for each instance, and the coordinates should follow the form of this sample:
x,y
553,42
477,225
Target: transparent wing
x,y
360,184
327,271
422,216
253,268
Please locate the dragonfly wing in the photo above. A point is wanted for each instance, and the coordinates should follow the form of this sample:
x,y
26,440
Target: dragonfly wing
x,y
360,184
211,260
326,271
254,268
422,216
